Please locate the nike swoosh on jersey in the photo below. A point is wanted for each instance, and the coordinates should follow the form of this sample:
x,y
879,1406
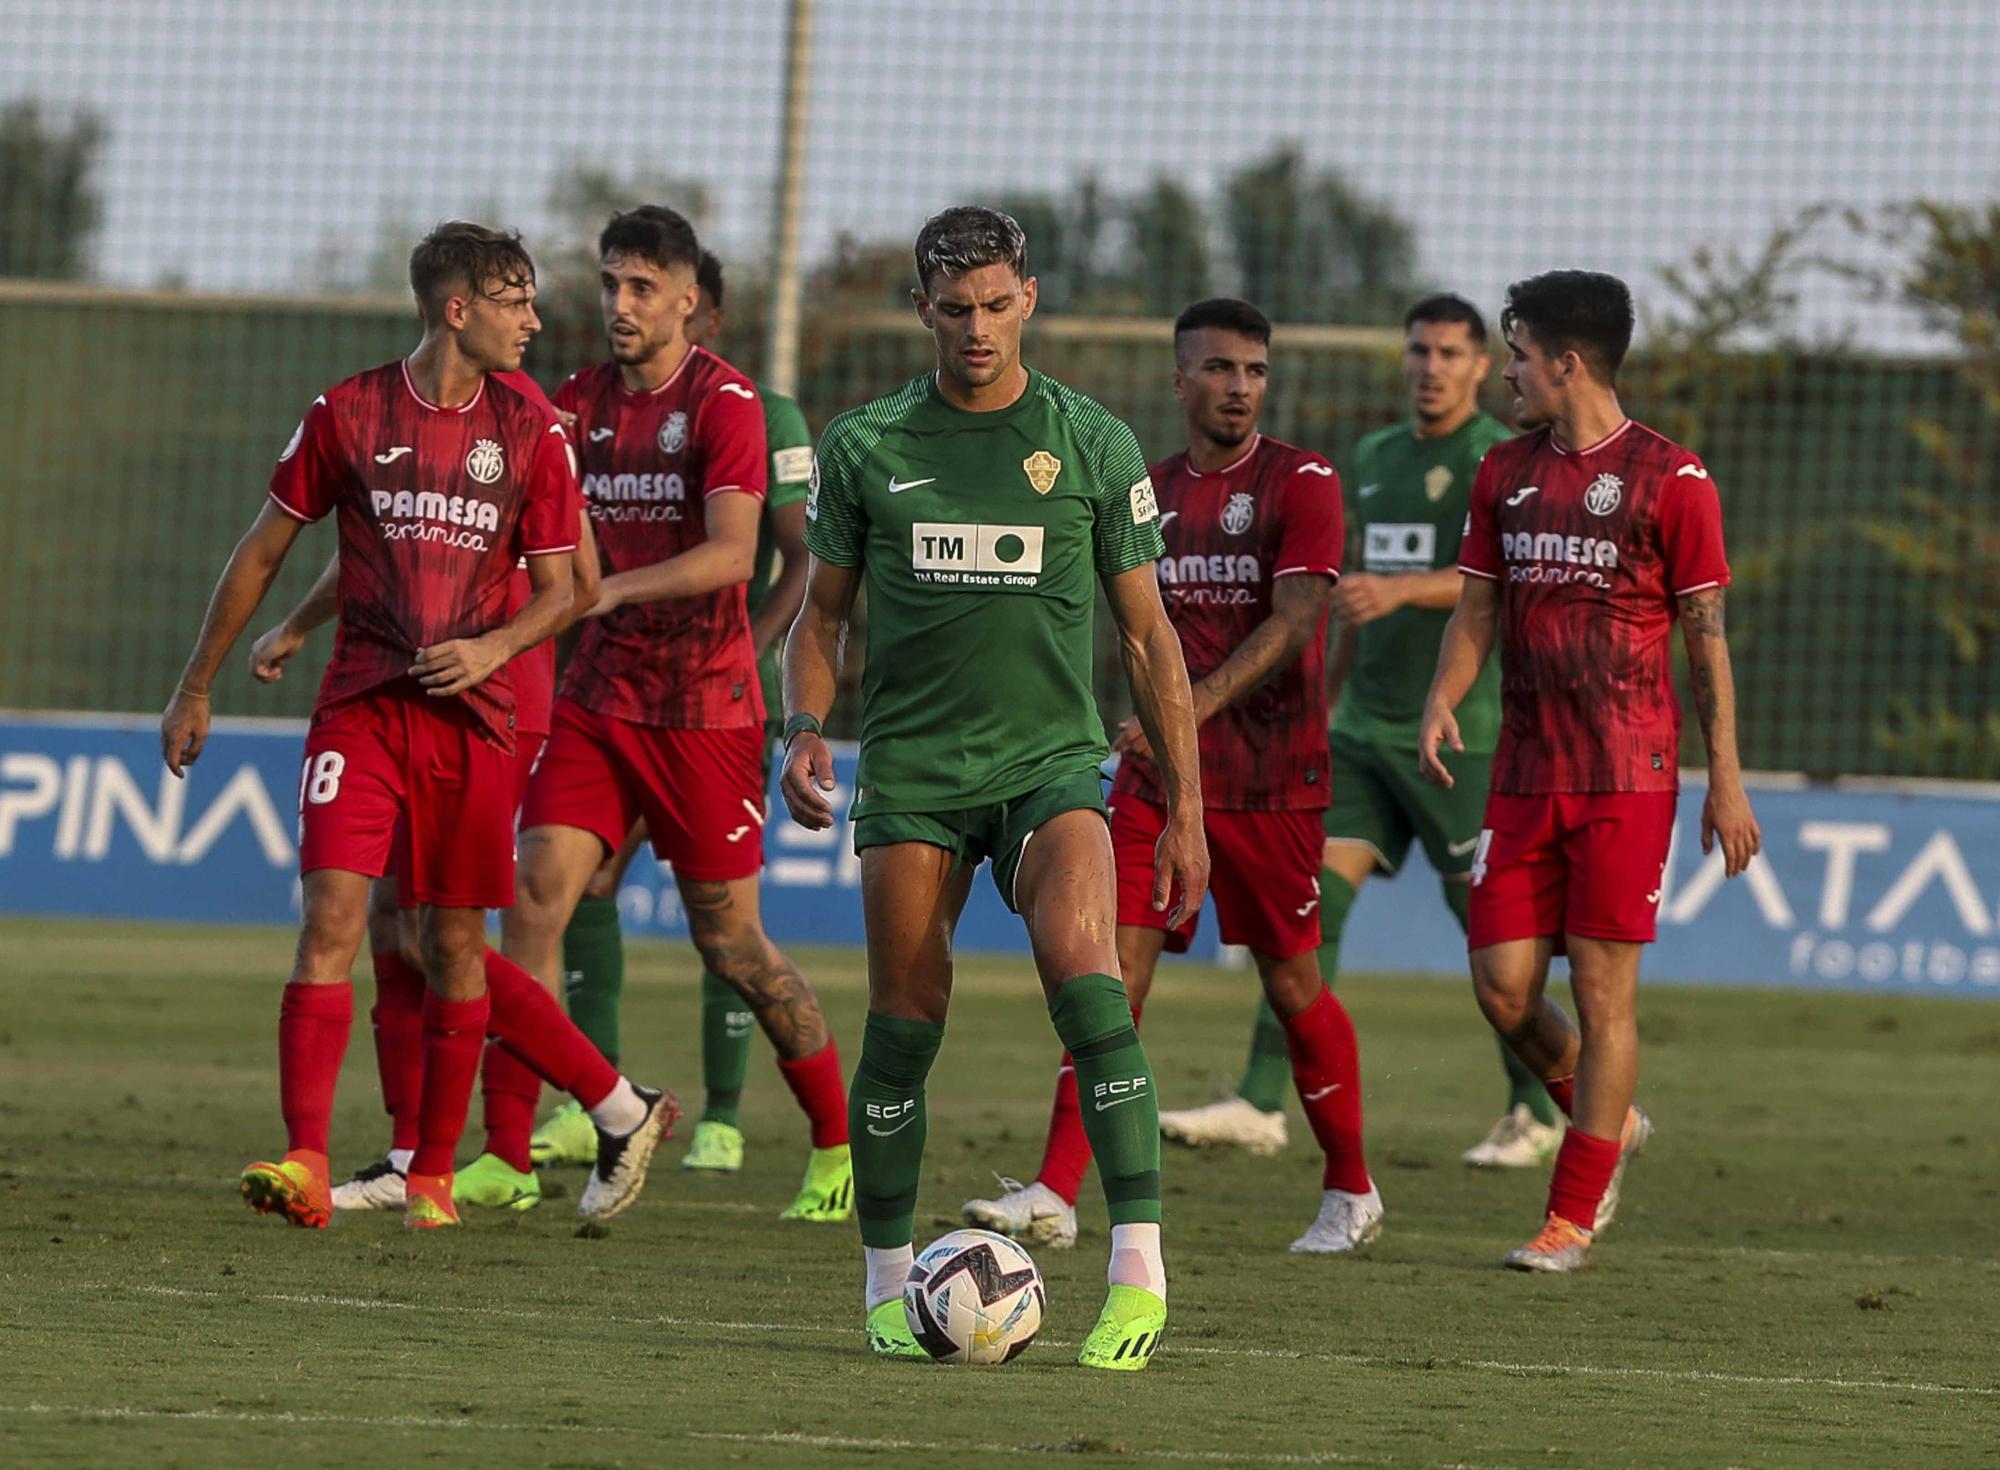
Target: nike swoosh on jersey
x,y
1523,493
598,436
1460,849
1367,490
390,456
897,487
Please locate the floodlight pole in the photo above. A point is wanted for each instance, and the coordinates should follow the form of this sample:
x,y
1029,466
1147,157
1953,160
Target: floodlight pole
x,y
781,357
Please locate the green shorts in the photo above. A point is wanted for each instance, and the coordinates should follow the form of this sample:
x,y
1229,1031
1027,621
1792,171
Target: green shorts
x,y
998,831
1380,799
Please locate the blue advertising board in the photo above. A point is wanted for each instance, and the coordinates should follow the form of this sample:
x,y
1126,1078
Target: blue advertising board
x,y
1868,888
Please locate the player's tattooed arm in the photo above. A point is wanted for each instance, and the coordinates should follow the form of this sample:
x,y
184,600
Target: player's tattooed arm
x,y
244,581
1462,653
1158,673
1725,814
813,654
277,644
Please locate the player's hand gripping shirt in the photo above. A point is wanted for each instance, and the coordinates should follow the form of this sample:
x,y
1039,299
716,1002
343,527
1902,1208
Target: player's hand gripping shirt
x,y
1230,534
436,505
1592,551
982,536
650,463
1406,508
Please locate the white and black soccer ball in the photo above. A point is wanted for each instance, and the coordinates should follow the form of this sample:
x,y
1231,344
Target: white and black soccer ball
x,y
974,1297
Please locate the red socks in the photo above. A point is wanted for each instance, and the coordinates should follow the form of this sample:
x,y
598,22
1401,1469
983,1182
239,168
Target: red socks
x,y
510,1089
1563,1091
531,1024
313,1022
815,1082
1326,1068
454,1031
399,1042
1584,1165
1067,1153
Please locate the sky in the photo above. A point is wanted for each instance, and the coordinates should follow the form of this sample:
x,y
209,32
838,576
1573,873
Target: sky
x,y
245,134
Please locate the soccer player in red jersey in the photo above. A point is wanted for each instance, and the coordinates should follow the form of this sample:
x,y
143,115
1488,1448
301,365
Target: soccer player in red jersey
x,y
443,478
1253,531
660,715
1588,536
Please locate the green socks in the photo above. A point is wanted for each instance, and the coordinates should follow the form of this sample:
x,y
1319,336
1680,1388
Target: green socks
x,y
594,972
1524,1088
1267,1077
726,1024
1114,1089
886,1124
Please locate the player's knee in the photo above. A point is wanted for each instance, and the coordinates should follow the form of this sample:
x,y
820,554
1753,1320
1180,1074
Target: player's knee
x,y
330,929
1293,985
1503,1002
451,948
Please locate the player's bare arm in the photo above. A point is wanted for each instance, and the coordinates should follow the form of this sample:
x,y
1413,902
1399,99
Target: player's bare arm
x,y
244,581
456,666
586,578
788,589
1467,644
1298,611
1160,693
813,652
1341,647
727,558
1362,597
276,645
1725,813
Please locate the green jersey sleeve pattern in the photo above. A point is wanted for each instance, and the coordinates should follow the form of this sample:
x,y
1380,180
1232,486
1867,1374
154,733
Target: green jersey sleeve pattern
x,y
1128,516
836,524
791,450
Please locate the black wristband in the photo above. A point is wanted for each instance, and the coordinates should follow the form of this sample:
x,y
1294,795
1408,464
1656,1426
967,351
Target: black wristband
x,y
797,723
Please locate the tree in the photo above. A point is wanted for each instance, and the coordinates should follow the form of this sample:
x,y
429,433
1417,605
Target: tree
x,y
1167,261
49,206
1312,247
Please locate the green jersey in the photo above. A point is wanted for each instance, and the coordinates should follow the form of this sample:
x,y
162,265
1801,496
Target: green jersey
x,y
790,444
1406,507
981,537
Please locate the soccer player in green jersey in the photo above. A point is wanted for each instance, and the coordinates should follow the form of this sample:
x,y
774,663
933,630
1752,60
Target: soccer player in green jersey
x,y
1405,514
981,504
593,944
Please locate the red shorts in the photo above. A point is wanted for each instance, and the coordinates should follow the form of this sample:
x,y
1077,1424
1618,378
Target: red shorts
x,y
1263,875
399,783
1571,863
701,792
527,755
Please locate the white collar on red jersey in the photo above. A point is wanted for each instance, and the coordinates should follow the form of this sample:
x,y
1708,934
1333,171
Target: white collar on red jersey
x,y
1236,463
672,377
1591,449
465,407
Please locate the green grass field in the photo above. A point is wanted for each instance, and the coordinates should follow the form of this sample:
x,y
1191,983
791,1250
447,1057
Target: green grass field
x,y
1804,1271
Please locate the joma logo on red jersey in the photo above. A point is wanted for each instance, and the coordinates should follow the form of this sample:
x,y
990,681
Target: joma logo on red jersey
x,y
433,505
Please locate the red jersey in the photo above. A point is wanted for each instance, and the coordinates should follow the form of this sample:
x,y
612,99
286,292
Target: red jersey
x,y
436,506
1230,534
535,670
650,461
1592,550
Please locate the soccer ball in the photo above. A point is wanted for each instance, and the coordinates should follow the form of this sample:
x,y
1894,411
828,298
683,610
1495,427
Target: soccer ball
x,y
974,1297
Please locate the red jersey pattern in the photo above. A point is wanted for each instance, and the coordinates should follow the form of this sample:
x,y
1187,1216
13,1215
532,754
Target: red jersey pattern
x,y
435,508
534,671
1230,535
1591,549
650,460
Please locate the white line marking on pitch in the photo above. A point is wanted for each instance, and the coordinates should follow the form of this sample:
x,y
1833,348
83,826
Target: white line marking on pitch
x,y
1355,1360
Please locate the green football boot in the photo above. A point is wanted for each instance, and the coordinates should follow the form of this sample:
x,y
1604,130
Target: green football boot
x,y
569,1137
889,1334
490,1182
828,1190
1128,1330
717,1148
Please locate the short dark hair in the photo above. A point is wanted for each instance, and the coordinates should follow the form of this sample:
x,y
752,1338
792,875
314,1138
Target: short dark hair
x,y
966,237
653,233
708,276
1586,312
461,257
1448,306
1226,313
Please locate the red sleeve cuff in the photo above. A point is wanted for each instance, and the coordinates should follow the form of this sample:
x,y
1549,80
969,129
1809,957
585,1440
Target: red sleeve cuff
x,y
549,550
297,515
1476,572
1317,569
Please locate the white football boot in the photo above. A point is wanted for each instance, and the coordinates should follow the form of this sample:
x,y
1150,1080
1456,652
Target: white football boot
x,y
1346,1222
1519,1140
1028,1212
380,1186
1631,1143
1228,1122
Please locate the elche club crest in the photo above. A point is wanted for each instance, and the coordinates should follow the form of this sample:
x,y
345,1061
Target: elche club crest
x,y
674,433
1437,480
485,462
1042,469
1237,515
1603,495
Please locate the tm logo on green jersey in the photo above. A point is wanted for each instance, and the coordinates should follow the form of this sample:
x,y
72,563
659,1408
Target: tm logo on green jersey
x,y
1396,546
966,554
